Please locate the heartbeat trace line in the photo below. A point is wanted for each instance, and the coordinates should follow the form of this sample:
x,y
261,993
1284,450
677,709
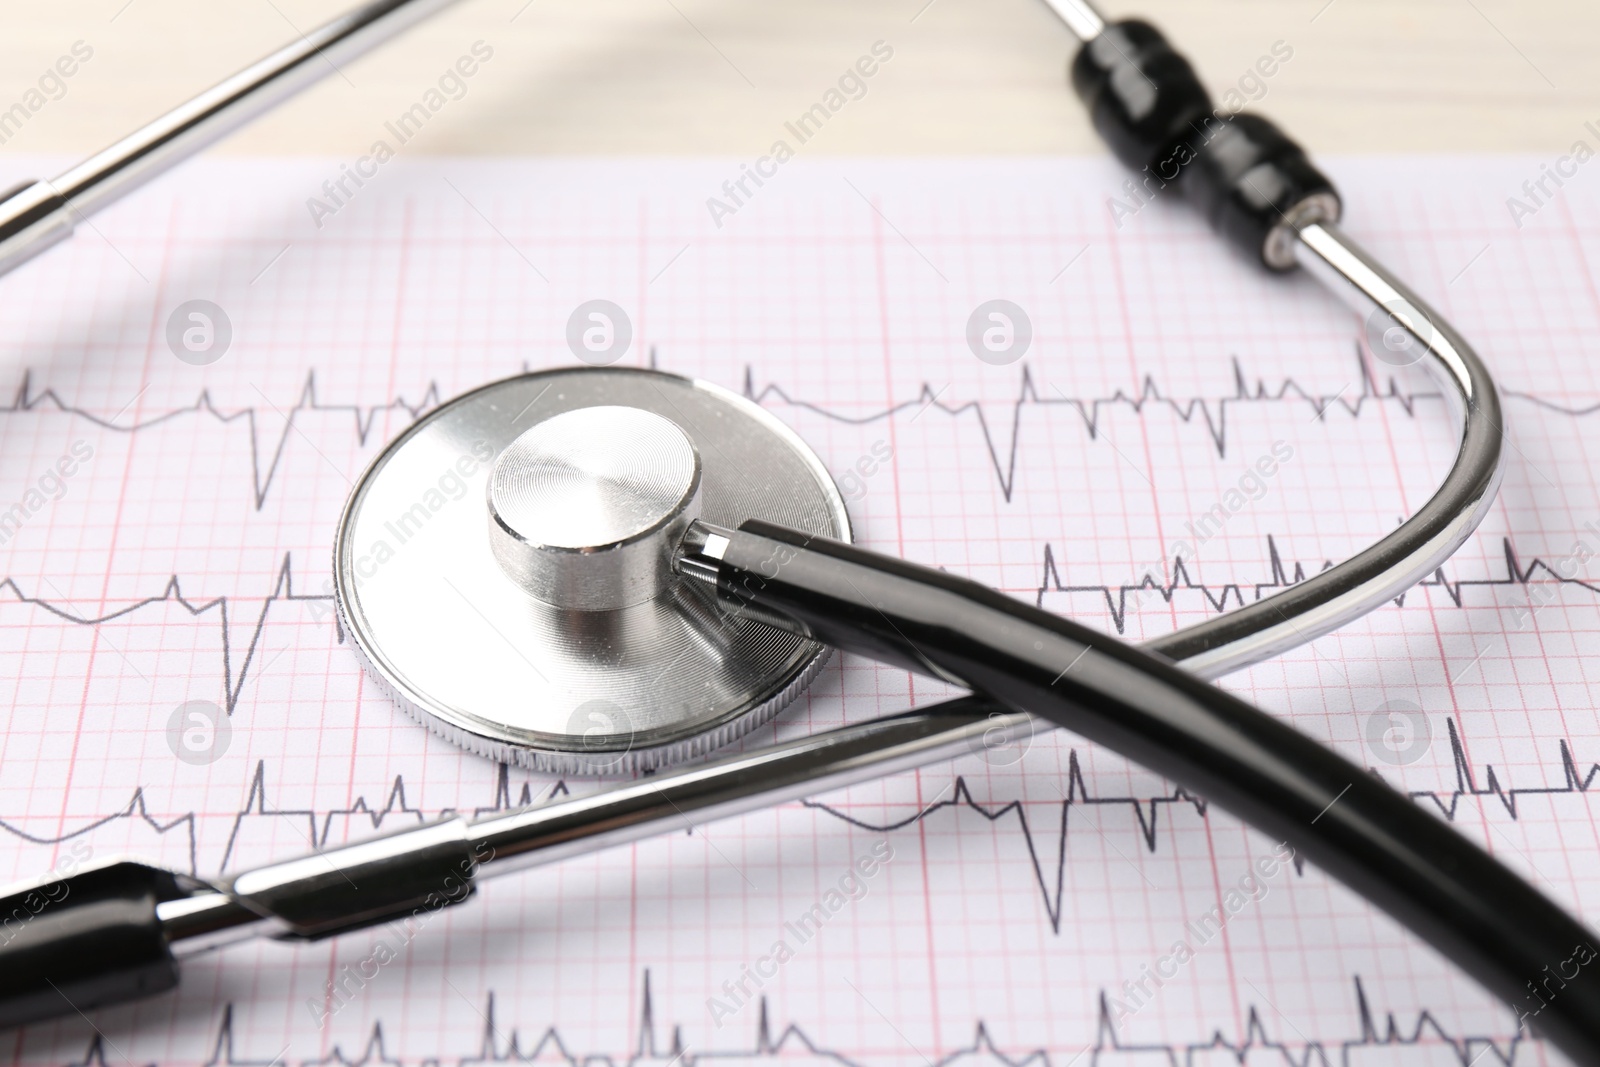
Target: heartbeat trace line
x,y
793,1044
1146,809
1211,411
1115,597
1282,577
283,590
318,826
394,805
363,417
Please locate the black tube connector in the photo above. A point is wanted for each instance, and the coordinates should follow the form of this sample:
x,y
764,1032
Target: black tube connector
x,y
82,941
1143,96
1252,182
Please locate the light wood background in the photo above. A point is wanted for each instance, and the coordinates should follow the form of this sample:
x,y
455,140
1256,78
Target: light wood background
x,y
719,77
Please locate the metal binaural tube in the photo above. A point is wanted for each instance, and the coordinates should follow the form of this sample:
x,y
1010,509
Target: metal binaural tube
x,y
513,841
738,784
36,216
1080,16
1424,541
210,920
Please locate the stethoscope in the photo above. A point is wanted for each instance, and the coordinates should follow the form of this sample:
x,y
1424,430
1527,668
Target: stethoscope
x,y
644,567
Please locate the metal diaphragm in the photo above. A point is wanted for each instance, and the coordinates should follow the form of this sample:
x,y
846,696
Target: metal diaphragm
x,y
504,568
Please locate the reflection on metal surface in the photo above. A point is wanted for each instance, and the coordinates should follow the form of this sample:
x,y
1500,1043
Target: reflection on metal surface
x,y
586,508
478,658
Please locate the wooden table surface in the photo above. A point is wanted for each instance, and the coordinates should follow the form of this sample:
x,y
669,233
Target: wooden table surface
x,y
720,77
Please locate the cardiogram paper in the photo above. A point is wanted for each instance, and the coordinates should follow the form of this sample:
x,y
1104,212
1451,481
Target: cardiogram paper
x,y
1179,434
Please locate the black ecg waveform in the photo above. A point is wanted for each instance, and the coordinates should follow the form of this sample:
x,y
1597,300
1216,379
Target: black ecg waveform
x,y
316,828
1573,780
1211,412
502,1041
1146,809
363,418
1282,576
237,663
232,686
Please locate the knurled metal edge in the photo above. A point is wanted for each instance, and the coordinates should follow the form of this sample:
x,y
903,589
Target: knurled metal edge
x,y
630,761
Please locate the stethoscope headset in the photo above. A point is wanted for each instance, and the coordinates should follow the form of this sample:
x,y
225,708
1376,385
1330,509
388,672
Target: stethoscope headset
x,y
649,566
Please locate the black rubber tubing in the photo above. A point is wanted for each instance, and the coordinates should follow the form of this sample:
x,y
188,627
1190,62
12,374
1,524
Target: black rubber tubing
x,y
1502,931
84,940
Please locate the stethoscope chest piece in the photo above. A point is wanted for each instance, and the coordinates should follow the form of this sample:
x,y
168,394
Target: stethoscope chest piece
x,y
504,568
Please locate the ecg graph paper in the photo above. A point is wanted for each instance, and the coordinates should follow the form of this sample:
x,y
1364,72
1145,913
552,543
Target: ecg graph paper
x,y
1031,899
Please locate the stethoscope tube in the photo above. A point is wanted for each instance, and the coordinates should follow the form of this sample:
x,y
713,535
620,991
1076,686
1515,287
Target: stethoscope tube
x,y
40,214
1462,901
1430,536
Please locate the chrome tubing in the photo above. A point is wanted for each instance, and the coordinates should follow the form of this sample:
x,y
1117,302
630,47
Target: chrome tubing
x,y
1080,16
1423,542
513,841
38,215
